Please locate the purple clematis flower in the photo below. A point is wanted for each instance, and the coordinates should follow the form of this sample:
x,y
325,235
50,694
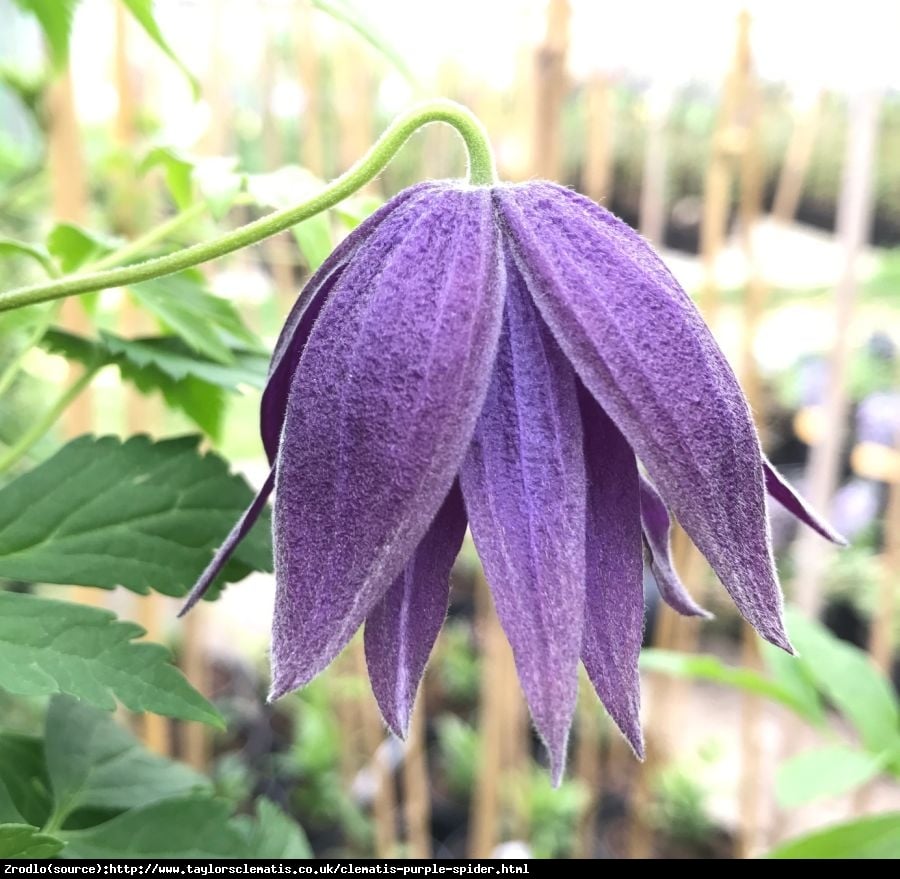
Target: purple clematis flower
x,y
503,357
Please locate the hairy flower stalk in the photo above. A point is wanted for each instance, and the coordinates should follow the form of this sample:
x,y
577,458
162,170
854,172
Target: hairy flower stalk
x,y
515,359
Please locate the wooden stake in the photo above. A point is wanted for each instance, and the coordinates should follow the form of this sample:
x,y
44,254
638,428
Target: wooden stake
x,y
653,182
551,84
416,796
587,768
853,221
598,159
384,805
796,163
311,145
882,638
484,813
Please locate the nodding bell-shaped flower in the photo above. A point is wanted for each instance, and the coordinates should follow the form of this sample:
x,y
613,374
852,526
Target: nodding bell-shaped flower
x,y
503,357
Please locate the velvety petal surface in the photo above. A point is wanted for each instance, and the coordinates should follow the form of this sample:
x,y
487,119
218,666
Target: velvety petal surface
x,y
614,568
782,491
306,308
524,487
380,413
657,531
642,349
402,628
240,530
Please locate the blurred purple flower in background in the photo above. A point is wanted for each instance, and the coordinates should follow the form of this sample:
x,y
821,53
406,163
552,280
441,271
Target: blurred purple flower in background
x,y
878,419
502,357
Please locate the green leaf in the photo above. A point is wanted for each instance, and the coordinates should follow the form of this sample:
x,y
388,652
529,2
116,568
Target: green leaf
x,y
190,827
93,762
218,182
876,837
24,841
314,239
792,676
73,247
344,12
55,18
12,247
710,668
24,785
274,835
49,646
824,772
139,514
178,170
172,357
208,324
849,679
203,402
142,10
353,211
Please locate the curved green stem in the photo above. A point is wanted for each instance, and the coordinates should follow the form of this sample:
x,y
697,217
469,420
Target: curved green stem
x,y
481,173
23,445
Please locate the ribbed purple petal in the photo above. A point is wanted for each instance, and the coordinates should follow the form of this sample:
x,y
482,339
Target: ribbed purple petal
x,y
657,527
303,314
524,486
780,489
240,530
402,628
642,349
381,410
614,606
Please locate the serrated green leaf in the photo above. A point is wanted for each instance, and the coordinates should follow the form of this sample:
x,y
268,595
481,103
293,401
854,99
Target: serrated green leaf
x,y
72,246
876,837
274,835
710,668
40,255
208,324
190,827
178,361
55,18
824,772
142,10
202,402
139,514
850,681
49,646
24,841
24,786
92,762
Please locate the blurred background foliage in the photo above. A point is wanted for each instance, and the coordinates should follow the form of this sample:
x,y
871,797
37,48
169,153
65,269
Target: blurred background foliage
x,y
757,145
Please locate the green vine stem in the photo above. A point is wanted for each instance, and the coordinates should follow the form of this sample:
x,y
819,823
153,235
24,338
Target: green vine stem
x,y
482,172
23,445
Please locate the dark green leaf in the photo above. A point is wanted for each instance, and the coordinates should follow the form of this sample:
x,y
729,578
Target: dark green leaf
x,y
142,10
207,323
315,240
55,18
849,679
73,247
94,763
190,827
11,247
876,837
24,786
140,514
824,772
24,841
49,646
710,668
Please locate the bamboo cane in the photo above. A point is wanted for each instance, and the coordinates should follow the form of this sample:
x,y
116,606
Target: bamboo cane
x,y
416,795
598,161
853,221
551,83
796,163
